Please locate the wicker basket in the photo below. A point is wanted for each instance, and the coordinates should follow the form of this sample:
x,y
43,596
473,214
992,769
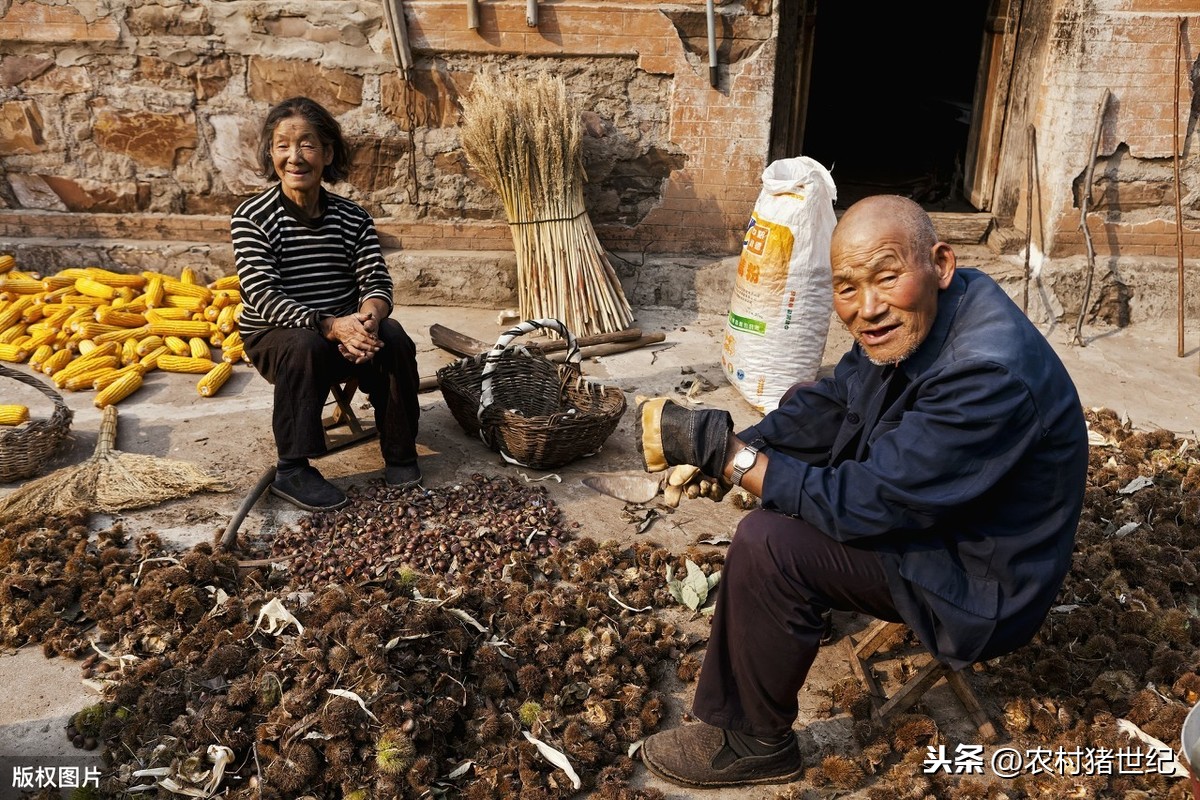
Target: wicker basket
x,y
27,448
530,410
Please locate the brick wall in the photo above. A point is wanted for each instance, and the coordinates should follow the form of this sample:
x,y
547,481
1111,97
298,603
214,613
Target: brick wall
x,y
139,117
1129,48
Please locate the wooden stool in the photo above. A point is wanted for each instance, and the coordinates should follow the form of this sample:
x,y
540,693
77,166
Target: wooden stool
x,y
881,635
341,397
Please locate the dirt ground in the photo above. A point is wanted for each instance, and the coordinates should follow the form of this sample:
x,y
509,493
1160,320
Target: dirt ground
x,y
1134,371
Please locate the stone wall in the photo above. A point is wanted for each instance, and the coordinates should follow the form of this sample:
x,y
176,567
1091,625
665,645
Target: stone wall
x,y
134,116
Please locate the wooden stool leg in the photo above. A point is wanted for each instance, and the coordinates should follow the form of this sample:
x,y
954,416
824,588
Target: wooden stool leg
x,y
987,731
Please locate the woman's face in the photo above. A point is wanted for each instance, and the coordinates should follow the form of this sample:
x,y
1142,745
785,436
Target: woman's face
x,y
299,157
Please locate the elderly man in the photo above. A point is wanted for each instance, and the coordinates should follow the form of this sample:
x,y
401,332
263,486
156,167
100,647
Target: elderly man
x,y
936,479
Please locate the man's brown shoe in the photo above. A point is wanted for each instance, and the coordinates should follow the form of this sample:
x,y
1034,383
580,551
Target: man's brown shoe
x,y
699,756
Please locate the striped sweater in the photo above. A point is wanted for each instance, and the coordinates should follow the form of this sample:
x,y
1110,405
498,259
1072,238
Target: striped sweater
x,y
295,272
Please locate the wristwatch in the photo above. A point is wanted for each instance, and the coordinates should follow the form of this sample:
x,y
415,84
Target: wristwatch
x,y
744,461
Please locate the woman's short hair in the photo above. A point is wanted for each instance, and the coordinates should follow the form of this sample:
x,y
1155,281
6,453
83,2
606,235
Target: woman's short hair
x,y
327,128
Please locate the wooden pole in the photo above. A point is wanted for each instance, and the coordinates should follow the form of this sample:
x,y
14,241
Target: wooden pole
x,y
473,14
1083,212
1178,199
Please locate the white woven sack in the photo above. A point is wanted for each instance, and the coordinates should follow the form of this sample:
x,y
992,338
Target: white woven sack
x,y
782,299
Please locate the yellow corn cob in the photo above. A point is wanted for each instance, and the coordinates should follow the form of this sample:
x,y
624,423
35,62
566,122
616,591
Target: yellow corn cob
x,y
232,352
93,288
84,300
188,275
164,314
149,343
169,362
40,355
115,279
217,339
192,304
54,296
129,353
199,348
121,335
150,360
13,332
34,313
136,306
41,337
17,286
174,287
177,346
14,414
73,273
21,274
225,282
56,283
7,262
212,311
119,389
88,328
154,292
58,360
227,320
85,380
108,379
226,297
86,346
16,353
214,379
182,328
55,319
13,311
98,354
82,365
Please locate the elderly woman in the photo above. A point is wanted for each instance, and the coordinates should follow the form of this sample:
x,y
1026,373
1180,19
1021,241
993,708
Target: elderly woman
x,y
317,298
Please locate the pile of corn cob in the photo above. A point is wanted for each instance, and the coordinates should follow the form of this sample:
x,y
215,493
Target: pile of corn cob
x,y
93,329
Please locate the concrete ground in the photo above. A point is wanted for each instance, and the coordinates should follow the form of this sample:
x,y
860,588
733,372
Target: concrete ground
x,y
1133,370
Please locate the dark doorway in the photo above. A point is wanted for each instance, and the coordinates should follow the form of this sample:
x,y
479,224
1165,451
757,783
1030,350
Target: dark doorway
x,y
890,93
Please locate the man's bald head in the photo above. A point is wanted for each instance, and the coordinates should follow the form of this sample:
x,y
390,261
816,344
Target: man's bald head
x,y
899,215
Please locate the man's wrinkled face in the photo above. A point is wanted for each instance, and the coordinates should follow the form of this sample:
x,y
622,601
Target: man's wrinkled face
x,y
886,295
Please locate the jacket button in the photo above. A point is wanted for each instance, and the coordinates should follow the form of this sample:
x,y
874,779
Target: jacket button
x,y
852,418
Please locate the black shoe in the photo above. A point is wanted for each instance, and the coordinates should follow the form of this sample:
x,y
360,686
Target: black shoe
x,y
402,476
307,489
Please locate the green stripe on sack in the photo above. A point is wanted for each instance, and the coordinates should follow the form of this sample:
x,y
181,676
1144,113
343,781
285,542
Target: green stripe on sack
x,y
747,324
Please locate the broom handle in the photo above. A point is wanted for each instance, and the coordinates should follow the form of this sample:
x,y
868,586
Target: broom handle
x,y
108,431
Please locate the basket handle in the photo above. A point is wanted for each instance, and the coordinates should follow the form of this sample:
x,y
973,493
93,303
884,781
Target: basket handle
x,y
492,357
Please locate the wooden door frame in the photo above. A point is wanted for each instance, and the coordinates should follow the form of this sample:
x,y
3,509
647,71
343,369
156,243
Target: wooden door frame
x,y
989,107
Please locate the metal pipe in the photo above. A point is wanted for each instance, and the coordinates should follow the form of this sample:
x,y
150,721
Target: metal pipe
x,y
531,13
711,13
473,14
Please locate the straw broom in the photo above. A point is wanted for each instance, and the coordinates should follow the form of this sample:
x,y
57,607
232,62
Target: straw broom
x,y
524,136
109,480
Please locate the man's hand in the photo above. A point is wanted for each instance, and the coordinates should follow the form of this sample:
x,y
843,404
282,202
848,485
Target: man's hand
x,y
669,434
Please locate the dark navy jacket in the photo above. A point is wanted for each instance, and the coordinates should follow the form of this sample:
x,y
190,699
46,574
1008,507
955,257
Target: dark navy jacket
x,y
969,484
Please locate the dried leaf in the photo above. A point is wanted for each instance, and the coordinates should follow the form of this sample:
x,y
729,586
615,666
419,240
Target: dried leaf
x,y
352,696
555,757
1172,767
467,618
278,618
1135,485
461,770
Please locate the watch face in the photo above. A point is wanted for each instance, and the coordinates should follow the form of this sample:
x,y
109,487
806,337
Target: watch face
x,y
744,459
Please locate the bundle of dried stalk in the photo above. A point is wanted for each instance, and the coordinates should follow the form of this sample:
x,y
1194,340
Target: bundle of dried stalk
x,y
523,135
